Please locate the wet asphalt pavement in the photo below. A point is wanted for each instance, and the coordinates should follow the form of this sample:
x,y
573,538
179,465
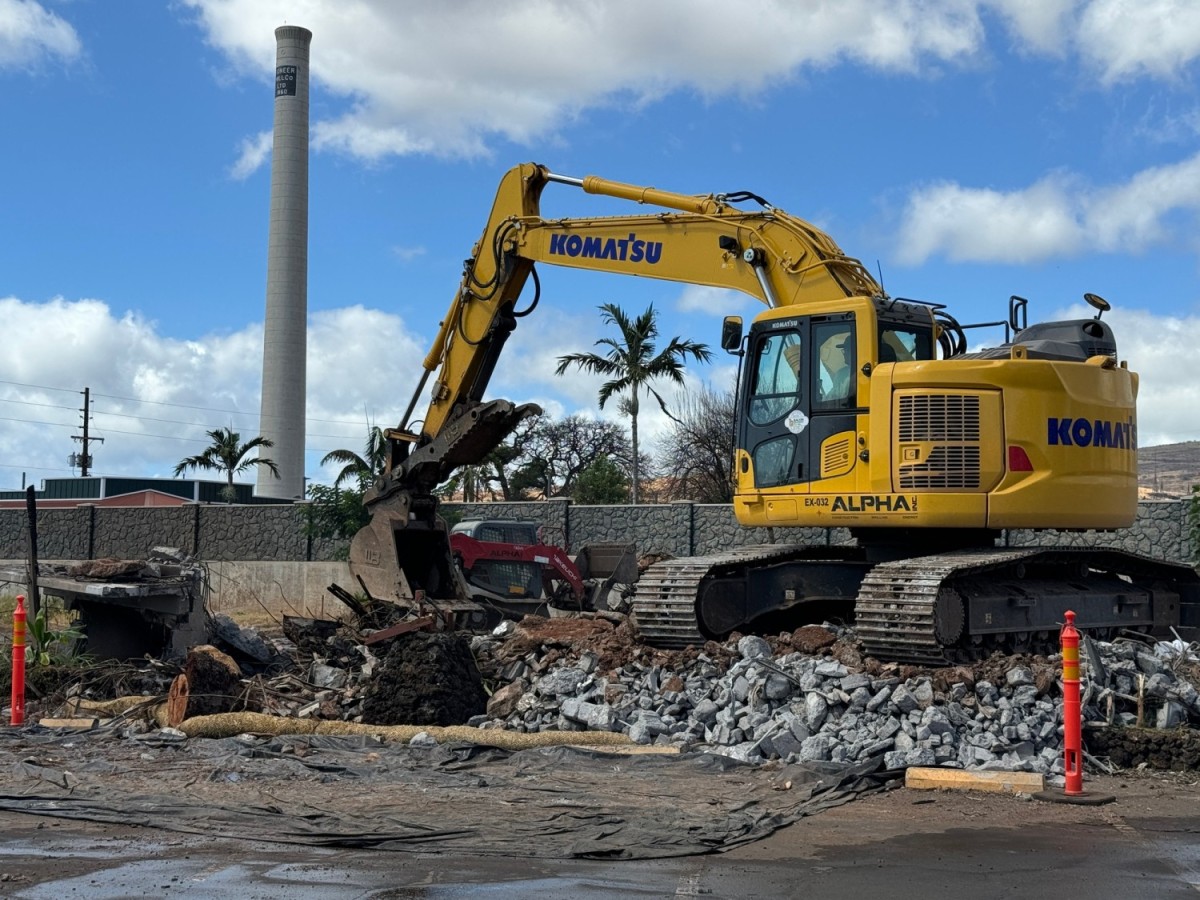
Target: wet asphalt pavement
x,y
896,845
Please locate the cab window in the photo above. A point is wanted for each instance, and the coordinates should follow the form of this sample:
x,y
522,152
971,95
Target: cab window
x,y
901,344
776,386
834,374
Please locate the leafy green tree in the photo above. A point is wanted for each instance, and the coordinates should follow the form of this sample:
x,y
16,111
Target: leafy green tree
x,y
228,454
631,363
557,450
365,468
334,513
602,482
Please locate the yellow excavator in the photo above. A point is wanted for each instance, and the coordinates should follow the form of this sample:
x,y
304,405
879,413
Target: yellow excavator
x,y
855,410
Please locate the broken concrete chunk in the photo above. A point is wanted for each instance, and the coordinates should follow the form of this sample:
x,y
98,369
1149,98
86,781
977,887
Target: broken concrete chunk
x,y
754,647
503,702
324,676
1171,715
245,641
560,683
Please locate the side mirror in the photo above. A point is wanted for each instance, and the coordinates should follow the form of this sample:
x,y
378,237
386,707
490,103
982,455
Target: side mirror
x,y
731,334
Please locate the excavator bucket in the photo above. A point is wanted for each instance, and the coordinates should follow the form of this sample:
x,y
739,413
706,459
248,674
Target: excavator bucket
x,y
409,563
403,554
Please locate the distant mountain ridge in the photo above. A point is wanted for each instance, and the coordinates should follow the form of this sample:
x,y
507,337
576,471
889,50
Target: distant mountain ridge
x,y
1168,471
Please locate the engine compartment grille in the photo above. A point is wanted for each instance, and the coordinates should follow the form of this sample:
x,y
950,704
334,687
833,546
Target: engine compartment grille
x,y
938,417
948,425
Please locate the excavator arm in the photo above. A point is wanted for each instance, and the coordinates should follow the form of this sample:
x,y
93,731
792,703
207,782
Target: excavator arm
x,y
695,239
773,256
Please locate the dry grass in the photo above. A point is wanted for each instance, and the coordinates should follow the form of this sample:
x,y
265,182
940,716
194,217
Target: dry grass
x,y
255,618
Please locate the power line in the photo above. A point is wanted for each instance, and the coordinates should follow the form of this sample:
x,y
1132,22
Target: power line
x,y
235,412
40,387
32,403
36,422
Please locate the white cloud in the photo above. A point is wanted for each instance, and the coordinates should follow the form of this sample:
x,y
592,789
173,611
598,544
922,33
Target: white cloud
x,y
1126,39
1041,26
254,152
713,301
450,78
408,254
1058,216
1117,40
154,397
353,372
984,225
30,34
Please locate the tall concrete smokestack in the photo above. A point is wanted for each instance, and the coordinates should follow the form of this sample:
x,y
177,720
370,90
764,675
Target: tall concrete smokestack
x,y
286,328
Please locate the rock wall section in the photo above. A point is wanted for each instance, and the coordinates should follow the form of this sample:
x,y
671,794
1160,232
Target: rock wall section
x,y
208,532
278,532
1162,529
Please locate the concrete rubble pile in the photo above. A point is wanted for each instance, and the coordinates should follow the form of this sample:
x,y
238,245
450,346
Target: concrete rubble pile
x,y
756,699
797,706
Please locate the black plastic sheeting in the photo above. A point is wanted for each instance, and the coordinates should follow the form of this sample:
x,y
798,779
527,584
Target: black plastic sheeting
x,y
359,792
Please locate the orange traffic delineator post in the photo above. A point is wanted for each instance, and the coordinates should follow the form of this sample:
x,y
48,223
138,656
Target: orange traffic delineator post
x,y
17,710
1073,791
1072,713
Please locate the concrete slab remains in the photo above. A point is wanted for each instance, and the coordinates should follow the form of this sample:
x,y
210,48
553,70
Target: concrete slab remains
x,y
130,608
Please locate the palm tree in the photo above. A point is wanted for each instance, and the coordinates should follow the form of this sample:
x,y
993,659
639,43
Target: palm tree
x,y
630,363
366,467
227,454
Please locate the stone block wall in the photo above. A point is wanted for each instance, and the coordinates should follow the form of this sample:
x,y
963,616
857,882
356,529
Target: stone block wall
x,y
274,532
129,532
277,532
209,532
1162,530
716,529
61,533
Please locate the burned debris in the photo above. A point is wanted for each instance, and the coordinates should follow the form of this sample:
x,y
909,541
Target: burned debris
x,y
809,695
752,699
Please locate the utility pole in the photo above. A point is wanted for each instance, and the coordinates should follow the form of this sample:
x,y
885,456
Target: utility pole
x,y
85,458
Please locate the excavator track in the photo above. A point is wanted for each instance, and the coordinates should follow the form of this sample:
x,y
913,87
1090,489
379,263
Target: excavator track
x,y
664,598
906,611
931,610
922,610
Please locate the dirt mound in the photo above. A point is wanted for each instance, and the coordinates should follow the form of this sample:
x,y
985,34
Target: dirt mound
x,y
614,644
426,679
810,639
1128,748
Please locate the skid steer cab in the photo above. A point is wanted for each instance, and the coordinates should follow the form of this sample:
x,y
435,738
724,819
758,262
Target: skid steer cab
x,y
513,571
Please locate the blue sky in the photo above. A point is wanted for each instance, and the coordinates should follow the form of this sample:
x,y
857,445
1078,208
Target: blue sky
x,y
969,150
